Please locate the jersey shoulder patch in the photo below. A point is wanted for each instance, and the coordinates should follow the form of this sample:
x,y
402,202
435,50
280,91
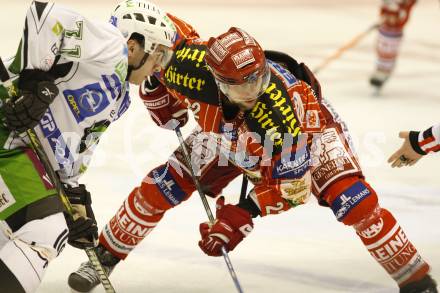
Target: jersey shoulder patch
x,y
285,75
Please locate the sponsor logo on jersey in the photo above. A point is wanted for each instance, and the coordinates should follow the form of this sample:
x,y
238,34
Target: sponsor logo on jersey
x,y
91,100
56,141
331,159
174,77
87,101
349,199
188,77
195,56
73,105
114,20
299,106
168,186
57,29
47,62
288,78
113,85
296,191
293,169
125,104
92,134
268,112
121,68
312,119
229,131
6,198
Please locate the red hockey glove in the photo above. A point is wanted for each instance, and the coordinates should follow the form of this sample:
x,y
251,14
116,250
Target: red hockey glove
x,y
231,226
165,110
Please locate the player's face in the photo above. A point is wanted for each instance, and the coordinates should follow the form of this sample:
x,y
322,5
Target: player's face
x,y
245,95
154,62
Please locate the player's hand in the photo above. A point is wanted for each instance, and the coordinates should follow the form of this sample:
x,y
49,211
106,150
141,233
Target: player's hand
x,y
232,224
164,109
405,156
37,92
83,229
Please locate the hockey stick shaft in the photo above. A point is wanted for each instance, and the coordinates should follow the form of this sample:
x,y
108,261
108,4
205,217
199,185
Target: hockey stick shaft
x,y
350,44
90,251
244,185
206,206
38,148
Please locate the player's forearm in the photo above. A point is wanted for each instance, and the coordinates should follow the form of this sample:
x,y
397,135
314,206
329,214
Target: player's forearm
x,y
428,141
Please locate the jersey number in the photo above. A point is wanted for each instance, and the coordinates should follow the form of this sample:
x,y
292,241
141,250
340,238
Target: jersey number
x,y
274,210
77,34
194,107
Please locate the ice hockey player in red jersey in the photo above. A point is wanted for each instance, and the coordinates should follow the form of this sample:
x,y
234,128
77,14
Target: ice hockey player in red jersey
x,y
394,15
325,164
416,144
282,179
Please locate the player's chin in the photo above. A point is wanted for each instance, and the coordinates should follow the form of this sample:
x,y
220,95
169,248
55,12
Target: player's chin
x,y
247,105
136,79
139,75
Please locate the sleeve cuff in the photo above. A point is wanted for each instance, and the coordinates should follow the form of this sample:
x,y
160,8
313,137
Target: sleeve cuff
x,y
414,140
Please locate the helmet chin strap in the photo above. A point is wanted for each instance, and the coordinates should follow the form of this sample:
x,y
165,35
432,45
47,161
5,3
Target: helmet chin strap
x,y
129,71
142,62
131,67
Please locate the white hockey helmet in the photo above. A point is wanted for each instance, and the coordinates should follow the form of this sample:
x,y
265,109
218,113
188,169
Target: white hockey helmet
x,y
146,19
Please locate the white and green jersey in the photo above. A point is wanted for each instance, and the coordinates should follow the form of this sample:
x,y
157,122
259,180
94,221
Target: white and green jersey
x,y
89,61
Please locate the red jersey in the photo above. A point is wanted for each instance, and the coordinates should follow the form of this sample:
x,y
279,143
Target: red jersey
x,y
268,142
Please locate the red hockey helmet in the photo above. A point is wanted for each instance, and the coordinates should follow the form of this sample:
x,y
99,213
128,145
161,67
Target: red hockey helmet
x,y
239,66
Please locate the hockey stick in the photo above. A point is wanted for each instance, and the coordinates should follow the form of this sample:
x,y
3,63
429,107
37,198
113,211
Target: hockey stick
x,y
353,42
244,184
38,148
207,208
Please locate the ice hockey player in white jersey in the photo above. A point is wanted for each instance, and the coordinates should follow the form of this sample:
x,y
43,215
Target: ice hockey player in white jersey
x,y
70,82
416,144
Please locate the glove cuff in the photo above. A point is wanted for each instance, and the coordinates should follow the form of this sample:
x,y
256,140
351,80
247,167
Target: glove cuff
x,y
79,195
235,217
149,85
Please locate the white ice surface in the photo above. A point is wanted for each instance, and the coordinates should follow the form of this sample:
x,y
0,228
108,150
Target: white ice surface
x,y
305,249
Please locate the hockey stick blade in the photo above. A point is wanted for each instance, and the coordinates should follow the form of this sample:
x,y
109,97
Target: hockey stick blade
x,y
102,275
38,148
